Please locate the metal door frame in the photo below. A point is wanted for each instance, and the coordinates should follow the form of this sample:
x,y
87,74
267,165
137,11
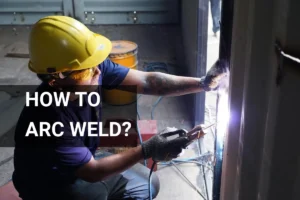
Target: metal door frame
x,y
202,23
225,55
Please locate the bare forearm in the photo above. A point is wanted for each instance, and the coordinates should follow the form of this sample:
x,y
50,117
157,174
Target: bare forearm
x,y
157,83
117,163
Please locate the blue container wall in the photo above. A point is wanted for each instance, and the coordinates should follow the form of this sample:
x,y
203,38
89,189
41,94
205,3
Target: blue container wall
x,y
27,12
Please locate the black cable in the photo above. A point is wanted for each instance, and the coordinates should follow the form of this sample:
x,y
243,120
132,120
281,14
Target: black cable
x,y
150,188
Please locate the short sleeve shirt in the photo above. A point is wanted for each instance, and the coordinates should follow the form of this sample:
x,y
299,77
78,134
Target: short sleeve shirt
x,y
41,162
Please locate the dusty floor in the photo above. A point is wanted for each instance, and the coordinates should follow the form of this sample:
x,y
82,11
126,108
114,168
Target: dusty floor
x,y
170,111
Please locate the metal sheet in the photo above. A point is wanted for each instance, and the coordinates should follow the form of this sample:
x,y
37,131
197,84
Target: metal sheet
x,y
26,12
127,11
224,54
194,22
202,27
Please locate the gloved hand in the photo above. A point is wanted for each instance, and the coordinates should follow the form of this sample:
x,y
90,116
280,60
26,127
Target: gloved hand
x,y
159,148
216,74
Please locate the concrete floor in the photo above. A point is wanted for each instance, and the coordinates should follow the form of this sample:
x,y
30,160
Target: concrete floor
x,y
170,112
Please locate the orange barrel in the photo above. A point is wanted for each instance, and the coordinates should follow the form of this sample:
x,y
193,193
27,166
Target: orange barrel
x,y
125,54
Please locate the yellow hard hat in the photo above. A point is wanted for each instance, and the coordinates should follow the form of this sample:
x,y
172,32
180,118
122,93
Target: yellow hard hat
x,y
61,43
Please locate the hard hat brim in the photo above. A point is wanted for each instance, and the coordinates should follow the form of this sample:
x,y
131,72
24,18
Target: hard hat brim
x,y
104,47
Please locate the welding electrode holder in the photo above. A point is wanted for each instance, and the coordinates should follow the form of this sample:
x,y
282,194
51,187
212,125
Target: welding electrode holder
x,y
191,136
169,144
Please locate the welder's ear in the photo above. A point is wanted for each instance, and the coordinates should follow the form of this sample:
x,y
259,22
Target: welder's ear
x,y
53,83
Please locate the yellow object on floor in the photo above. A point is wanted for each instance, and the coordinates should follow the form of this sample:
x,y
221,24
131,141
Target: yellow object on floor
x,y
125,54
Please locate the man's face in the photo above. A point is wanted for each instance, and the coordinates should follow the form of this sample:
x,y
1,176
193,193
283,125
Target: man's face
x,y
83,80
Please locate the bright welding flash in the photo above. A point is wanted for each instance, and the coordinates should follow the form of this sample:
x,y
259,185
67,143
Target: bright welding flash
x,y
223,115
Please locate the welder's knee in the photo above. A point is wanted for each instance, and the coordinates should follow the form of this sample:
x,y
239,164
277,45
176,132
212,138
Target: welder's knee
x,y
155,184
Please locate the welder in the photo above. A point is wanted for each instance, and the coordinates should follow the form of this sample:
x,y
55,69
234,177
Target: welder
x,y
67,56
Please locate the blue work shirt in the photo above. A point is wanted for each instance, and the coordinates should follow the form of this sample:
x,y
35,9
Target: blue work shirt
x,y
47,164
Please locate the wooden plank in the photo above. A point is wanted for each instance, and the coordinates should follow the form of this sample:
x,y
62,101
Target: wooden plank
x,y
18,50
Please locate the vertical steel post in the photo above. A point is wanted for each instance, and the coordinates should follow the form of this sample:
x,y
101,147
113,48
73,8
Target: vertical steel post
x,y
224,54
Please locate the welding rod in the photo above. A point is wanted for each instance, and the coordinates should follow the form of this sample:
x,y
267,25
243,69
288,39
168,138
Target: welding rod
x,y
198,128
196,132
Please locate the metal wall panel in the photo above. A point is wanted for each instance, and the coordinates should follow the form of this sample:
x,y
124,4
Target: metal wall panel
x,y
127,11
194,25
26,12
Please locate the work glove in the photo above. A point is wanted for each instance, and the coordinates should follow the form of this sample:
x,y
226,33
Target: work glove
x,y
215,76
159,148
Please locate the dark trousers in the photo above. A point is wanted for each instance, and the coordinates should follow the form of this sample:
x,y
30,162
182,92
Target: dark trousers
x,y
215,6
131,184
